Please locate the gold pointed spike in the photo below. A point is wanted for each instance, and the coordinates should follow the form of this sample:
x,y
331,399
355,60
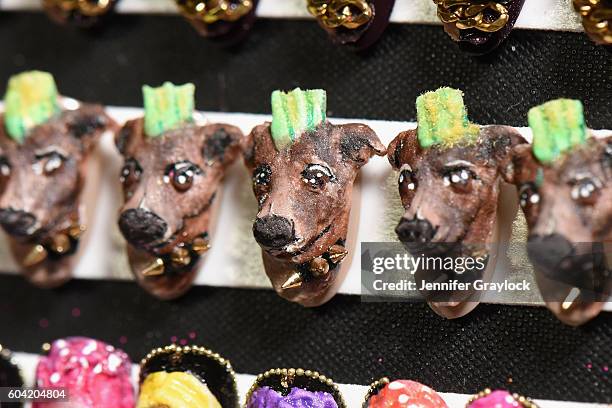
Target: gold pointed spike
x,y
156,268
570,299
76,230
337,253
60,243
200,245
319,267
294,281
180,256
35,256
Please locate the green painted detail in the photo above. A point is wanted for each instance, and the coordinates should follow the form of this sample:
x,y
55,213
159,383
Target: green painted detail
x,y
558,126
30,100
443,120
296,112
167,107
539,177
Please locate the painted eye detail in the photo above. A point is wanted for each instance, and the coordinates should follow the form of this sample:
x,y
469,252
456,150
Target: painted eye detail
x,y
407,179
317,175
181,175
130,173
5,167
585,191
528,195
51,162
607,156
262,175
459,177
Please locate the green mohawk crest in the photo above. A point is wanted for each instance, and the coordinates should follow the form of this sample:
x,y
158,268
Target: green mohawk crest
x,y
558,126
167,107
30,100
296,112
443,120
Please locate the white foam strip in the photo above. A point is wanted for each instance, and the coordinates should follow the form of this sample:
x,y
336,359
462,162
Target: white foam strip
x,y
234,259
536,14
353,394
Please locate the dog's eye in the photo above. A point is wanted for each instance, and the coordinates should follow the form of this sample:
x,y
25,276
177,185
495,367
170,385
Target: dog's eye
x,y
130,173
51,162
407,179
317,175
528,195
262,175
181,175
459,178
5,167
585,191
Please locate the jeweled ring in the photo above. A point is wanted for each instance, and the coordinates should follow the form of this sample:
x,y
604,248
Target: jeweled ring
x,y
499,399
167,371
295,387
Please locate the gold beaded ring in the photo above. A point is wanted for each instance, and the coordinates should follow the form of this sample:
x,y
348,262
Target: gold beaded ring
x,y
283,379
211,368
375,387
12,375
212,11
85,7
523,401
596,19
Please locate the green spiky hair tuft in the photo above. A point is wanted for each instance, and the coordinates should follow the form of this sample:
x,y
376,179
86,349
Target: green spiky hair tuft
x,y
296,112
558,126
167,107
30,100
443,120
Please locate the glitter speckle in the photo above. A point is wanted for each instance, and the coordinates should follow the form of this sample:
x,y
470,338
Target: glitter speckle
x,y
123,340
76,312
43,323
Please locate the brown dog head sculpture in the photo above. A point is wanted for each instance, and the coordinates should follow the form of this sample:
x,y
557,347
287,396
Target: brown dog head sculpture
x,y
565,190
45,142
303,172
170,178
449,183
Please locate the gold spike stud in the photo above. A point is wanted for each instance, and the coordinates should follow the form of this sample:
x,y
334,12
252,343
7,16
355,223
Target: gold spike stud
x,y
200,245
294,281
337,253
60,243
570,299
76,230
180,256
319,267
156,268
35,256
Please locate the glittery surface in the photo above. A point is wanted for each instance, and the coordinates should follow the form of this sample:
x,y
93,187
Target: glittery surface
x,y
94,373
496,399
265,397
406,394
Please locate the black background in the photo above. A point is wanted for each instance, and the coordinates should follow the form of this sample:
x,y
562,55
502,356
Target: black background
x,y
521,348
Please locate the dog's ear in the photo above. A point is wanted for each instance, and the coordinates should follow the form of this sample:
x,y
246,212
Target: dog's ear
x,y
403,149
525,166
86,125
499,144
606,157
359,142
258,147
222,144
129,137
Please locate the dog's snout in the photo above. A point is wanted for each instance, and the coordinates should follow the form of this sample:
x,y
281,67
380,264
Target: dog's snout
x,y
141,227
415,231
273,232
581,265
17,222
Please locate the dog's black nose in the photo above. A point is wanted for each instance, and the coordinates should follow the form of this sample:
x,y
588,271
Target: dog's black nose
x,y
273,232
141,227
415,231
17,222
581,265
